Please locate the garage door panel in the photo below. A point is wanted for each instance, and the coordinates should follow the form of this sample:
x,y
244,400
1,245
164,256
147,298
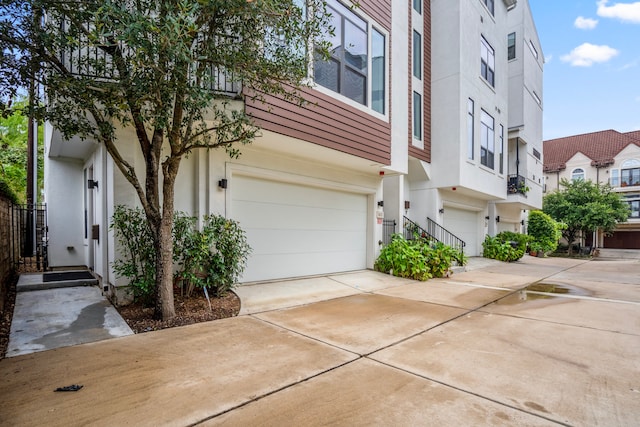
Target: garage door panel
x,y
297,230
270,216
289,241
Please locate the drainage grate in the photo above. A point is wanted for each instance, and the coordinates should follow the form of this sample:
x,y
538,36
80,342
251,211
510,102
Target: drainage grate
x,y
67,275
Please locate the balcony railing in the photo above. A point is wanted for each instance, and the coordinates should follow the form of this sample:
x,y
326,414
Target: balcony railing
x,y
517,184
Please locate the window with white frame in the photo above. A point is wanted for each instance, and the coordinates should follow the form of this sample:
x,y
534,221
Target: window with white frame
x,y
614,178
417,116
417,55
349,70
487,61
470,129
417,6
511,46
489,4
577,174
487,140
501,149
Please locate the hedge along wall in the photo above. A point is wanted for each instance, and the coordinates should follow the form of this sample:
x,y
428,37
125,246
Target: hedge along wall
x,y
6,263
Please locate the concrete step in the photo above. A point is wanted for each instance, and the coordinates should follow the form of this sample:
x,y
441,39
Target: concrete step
x,y
53,280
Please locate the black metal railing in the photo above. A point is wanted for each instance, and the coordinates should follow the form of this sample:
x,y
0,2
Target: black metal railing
x,y
29,237
517,184
412,230
443,235
389,227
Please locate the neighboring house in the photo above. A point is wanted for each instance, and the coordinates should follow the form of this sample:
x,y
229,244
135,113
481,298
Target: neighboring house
x,y
307,191
603,157
485,168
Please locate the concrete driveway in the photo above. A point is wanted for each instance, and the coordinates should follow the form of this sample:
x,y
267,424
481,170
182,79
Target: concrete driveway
x,y
474,349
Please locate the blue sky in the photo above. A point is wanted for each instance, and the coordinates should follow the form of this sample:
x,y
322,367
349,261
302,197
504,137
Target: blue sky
x,y
592,68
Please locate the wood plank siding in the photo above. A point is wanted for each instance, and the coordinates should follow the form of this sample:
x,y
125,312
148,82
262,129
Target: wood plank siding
x,y
422,153
326,120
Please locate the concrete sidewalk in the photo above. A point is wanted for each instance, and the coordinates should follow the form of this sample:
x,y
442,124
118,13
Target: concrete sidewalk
x,y
473,349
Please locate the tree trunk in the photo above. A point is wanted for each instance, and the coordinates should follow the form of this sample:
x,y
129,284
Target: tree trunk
x,y
164,308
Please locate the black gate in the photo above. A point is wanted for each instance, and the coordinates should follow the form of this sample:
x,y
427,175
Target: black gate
x,y
29,249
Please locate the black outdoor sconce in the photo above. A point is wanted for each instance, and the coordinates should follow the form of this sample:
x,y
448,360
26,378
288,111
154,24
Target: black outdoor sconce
x,y
498,218
91,184
222,183
441,210
407,204
381,203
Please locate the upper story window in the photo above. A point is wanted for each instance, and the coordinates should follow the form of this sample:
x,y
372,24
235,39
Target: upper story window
x,y
487,61
487,140
533,49
489,4
501,149
511,46
348,71
614,178
417,116
470,129
630,173
634,207
577,174
417,6
417,55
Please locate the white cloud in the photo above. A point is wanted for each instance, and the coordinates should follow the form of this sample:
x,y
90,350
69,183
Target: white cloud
x,y
626,12
587,54
585,23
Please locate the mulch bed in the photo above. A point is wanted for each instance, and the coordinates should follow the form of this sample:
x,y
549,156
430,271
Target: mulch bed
x,y
189,310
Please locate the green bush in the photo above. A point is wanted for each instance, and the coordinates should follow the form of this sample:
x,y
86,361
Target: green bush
x,y
138,258
7,192
544,230
213,258
501,248
418,259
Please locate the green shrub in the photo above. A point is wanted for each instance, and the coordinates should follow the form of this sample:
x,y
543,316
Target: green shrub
x,y
137,260
7,192
505,246
544,230
213,258
419,259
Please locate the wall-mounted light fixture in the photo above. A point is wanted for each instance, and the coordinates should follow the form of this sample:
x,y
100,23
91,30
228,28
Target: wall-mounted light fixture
x,y
498,218
407,204
522,222
91,184
222,183
441,210
487,217
381,203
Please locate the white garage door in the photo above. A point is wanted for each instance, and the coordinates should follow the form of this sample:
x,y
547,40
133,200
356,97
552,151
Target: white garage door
x,y
463,224
296,230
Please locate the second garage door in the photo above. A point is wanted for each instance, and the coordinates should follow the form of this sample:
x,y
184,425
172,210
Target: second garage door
x,y
297,230
464,224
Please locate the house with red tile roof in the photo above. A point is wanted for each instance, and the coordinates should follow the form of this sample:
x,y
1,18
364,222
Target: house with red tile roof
x,y
606,156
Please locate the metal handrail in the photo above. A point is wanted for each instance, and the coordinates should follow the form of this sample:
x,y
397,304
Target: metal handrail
x,y
443,235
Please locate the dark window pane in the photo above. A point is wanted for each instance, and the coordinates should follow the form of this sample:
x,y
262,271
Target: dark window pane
x,y
355,86
327,74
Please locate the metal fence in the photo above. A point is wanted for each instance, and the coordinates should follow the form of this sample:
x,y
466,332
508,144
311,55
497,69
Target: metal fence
x,y
29,237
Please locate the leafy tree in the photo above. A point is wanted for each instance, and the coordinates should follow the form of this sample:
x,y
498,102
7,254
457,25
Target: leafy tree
x,y
585,206
150,65
13,151
545,231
